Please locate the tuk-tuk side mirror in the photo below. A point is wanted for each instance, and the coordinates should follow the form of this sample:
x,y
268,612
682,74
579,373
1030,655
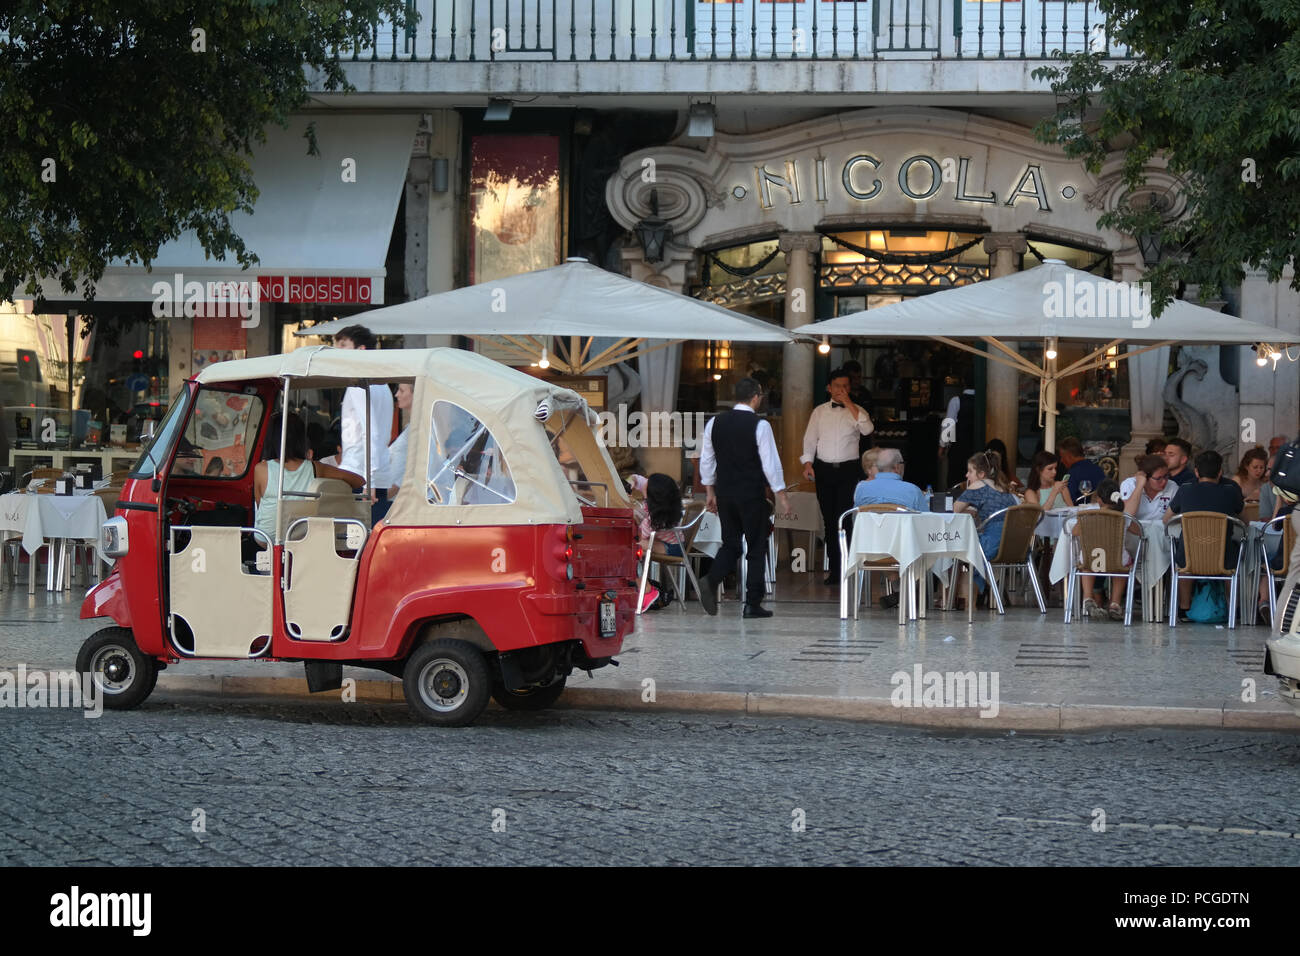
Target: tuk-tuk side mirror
x,y
155,485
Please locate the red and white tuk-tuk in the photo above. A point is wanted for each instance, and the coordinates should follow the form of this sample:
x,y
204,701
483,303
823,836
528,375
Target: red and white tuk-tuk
x,y
507,559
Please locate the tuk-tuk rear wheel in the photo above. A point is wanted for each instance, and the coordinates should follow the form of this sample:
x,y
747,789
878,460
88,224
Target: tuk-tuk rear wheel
x,y
446,682
126,677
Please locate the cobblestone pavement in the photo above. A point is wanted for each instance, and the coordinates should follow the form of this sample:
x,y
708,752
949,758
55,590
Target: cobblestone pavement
x,y
288,782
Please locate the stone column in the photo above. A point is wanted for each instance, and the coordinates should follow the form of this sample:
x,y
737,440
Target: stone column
x,y
801,250
660,370
1146,382
1002,402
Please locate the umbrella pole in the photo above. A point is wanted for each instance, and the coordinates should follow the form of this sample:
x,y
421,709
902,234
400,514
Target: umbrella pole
x,y
1049,397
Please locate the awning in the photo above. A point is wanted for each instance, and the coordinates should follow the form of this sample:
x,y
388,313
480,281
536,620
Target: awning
x,y
321,225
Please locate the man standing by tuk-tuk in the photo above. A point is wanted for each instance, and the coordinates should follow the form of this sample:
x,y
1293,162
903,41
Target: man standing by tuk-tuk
x,y
352,454
738,458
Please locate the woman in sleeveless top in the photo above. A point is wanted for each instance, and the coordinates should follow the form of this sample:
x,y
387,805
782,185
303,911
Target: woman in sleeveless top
x,y
1043,489
299,470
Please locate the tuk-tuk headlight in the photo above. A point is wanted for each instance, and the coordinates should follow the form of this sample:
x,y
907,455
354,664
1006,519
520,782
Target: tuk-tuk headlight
x,y
113,541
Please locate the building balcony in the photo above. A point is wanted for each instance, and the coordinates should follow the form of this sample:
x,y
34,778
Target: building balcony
x,y
655,48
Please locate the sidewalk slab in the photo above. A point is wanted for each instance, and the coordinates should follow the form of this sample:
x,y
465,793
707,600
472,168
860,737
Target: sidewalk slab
x,y
1051,677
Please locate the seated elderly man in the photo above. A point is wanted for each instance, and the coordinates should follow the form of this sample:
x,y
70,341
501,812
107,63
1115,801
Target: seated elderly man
x,y
888,487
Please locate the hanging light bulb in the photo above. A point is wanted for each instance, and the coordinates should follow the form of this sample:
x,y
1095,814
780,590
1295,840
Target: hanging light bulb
x,y
544,362
1261,359
717,376
825,347
1051,354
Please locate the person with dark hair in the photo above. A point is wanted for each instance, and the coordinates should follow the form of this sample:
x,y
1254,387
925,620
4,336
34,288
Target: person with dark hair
x,y
1156,446
1250,473
985,495
831,458
352,454
1147,494
1110,498
1078,469
860,394
298,469
1042,488
738,462
1178,451
355,337
215,468
997,446
1207,493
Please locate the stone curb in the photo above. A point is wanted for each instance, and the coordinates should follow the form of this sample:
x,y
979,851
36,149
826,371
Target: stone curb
x,y
1010,716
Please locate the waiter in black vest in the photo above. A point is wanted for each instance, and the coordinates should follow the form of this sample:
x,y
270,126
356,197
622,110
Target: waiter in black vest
x,y
738,462
830,456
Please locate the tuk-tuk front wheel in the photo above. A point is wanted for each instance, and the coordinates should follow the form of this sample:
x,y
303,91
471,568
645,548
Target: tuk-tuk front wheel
x,y
447,682
124,675
532,698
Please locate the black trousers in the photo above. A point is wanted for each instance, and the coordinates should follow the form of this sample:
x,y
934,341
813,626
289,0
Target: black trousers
x,y
748,516
835,487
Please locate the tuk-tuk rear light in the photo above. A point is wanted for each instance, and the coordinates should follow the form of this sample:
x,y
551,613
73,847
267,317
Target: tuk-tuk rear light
x,y
568,553
640,552
113,541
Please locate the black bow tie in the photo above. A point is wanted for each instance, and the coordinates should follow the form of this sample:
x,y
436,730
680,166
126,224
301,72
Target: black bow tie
x,y
837,404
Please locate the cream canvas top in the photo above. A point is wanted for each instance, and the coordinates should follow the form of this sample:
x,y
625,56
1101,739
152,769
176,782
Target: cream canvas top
x,y
511,404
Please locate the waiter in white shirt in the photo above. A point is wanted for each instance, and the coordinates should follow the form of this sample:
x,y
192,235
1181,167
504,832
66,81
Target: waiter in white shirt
x,y
352,454
830,456
738,463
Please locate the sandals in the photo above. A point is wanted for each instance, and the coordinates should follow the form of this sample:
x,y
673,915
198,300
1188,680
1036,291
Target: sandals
x,y
1115,612
1092,611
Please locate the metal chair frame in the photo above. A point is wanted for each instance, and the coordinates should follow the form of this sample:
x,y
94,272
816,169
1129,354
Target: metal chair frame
x,y
686,533
1230,524
1127,525
879,564
1026,563
1288,542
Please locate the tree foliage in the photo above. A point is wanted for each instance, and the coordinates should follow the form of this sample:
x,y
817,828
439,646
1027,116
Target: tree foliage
x,y
130,122
1213,91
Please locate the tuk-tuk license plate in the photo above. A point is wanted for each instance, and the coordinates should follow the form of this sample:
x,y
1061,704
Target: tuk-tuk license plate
x,y
608,619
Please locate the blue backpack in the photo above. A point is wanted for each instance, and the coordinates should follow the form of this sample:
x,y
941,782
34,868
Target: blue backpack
x,y
1208,603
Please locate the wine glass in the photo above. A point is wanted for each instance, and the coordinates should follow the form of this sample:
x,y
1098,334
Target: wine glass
x,y
1085,489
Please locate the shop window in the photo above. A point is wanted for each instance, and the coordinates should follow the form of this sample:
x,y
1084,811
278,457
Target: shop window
x,y
466,466
219,434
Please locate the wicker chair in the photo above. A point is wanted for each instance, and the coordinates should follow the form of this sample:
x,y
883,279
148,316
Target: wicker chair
x,y
1101,543
876,564
686,531
1250,512
1288,542
1205,539
1015,548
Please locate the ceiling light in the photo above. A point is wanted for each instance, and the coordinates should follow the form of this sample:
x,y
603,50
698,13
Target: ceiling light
x,y
825,347
543,362
700,120
498,111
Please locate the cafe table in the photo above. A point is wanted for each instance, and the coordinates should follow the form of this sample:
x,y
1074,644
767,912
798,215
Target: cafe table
x,y
54,520
916,541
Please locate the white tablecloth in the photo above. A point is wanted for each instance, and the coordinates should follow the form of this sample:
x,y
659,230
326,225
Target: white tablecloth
x,y
41,517
913,540
907,537
1053,522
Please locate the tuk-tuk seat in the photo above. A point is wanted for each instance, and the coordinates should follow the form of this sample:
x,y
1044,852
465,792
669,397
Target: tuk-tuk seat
x,y
335,499
227,609
319,580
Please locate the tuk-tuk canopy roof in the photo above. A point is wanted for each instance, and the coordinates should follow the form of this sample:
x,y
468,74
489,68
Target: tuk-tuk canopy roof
x,y
507,401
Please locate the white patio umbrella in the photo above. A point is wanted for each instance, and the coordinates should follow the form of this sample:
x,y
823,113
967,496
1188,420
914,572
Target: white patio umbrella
x,y
575,300
1052,303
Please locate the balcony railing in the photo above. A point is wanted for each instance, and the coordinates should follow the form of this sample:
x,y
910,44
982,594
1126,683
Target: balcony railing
x,y
634,30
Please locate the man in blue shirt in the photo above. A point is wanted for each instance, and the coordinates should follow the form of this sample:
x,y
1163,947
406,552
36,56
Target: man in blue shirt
x,y
888,487
1078,468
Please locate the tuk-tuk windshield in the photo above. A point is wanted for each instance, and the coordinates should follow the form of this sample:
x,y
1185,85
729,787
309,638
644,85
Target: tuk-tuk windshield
x,y
157,451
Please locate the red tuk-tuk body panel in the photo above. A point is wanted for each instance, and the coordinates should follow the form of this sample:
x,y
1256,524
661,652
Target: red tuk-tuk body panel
x,y
130,596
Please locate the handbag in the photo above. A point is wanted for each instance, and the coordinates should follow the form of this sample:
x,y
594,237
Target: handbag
x,y
1208,604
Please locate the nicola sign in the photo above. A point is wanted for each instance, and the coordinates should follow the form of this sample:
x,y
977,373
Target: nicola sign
x,y
865,177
